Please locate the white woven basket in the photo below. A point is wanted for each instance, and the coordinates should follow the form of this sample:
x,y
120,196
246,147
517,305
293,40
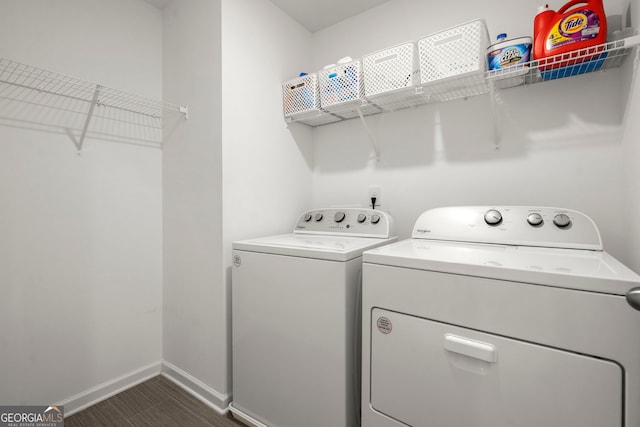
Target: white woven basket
x,y
390,69
457,51
342,91
300,95
341,84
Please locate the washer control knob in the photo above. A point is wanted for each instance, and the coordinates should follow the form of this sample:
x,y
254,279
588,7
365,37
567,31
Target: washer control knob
x,y
362,218
375,218
307,217
562,220
493,217
339,216
534,219
319,217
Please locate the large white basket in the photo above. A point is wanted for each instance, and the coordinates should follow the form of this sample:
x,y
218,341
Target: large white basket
x,y
390,69
342,90
456,52
390,76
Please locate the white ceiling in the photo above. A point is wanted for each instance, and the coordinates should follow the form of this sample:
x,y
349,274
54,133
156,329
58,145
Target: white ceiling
x,y
315,15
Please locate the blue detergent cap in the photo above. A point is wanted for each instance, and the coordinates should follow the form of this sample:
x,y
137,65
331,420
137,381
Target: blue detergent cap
x,y
303,74
502,36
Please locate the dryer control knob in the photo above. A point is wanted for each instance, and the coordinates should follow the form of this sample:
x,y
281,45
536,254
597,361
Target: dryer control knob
x,y
633,298
307,217
493,217
534,219
375,218
562,220
339,216
319,217
362,218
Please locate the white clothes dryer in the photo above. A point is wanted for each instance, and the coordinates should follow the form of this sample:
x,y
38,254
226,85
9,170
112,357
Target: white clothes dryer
x,y
296,319
500,316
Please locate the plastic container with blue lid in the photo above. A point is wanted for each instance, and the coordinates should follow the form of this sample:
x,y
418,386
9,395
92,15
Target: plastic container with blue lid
x,y
506,53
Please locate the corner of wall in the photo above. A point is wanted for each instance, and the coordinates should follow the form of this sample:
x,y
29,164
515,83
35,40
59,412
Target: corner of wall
x,y
219,402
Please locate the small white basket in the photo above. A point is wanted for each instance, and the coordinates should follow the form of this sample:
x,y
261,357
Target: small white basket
x,y
340,84
456,52
342,90
301,102
300,95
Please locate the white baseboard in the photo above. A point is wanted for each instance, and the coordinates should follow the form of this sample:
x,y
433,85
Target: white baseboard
x,y
107,389
245,418
210,397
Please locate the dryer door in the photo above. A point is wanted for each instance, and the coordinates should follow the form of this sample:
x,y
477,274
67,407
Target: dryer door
x,y
427,373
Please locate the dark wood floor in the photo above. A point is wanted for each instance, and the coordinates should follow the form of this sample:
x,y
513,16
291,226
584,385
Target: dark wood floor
x,y
156,402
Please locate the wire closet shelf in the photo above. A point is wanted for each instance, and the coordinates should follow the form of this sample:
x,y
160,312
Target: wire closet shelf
x,y
40,99
601,57
596,58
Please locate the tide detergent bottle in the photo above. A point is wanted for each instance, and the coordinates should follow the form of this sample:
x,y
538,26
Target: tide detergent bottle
x,y
576,26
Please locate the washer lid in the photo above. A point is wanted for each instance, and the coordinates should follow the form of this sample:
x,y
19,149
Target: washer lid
x,y
334,248
566,268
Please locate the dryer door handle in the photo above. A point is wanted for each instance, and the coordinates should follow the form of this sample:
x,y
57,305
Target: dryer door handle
x,y
472,348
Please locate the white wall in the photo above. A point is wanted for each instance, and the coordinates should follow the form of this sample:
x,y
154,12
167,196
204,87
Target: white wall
x,y
80,245
561,143
266,172
194,326
229,173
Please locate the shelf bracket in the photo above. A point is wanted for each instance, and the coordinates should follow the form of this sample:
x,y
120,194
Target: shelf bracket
x,y
185,110
372,139
494,116
94,101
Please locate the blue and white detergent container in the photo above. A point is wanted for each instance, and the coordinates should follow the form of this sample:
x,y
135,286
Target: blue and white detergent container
x,y
508,53
509,58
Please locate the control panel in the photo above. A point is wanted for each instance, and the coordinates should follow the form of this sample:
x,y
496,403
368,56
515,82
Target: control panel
x,y
510,225
346,221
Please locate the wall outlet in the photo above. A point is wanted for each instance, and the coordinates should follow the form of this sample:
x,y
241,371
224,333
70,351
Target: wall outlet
x,y
374,191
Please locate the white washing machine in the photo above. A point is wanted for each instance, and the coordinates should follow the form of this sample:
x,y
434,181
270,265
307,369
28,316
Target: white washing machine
x,y
296,319
500,316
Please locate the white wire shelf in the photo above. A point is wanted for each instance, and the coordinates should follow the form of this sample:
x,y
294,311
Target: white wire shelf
x,y
601,57
313,117
40,99
582,61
